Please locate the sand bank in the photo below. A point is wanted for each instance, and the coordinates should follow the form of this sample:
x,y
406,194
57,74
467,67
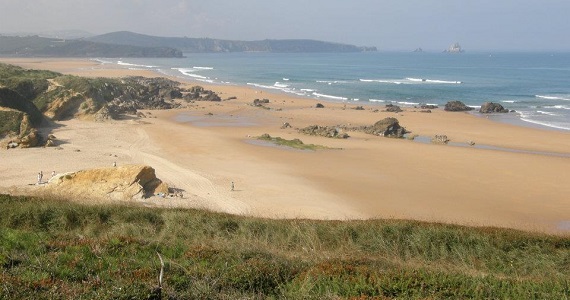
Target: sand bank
x,y
204,147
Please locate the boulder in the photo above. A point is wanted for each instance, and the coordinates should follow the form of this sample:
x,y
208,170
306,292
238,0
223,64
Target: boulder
x,y
286,125
388,127
440,139
127,182
428,106
490,107
457,106
393,108
30,140
319,105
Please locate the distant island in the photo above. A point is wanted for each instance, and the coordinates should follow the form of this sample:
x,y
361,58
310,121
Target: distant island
x,y
129,44
454,48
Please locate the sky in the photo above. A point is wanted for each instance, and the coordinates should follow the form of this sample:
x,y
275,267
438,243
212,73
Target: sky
x,y
390,25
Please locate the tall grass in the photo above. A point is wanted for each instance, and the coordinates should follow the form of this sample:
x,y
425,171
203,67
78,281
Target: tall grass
x,y
56,249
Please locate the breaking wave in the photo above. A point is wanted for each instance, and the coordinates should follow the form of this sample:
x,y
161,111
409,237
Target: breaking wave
x,y
564,98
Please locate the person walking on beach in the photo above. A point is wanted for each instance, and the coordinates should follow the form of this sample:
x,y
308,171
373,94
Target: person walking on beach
x,y
52,174
114,164
40,176
233,186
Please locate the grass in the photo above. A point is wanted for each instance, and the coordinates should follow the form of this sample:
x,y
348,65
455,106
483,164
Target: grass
x,y
52,249
294,143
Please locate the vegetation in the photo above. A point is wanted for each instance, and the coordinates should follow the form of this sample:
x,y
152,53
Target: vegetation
x,y
52,249
214,45
40,46
294,143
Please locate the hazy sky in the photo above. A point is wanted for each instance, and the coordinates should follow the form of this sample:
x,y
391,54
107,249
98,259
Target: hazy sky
x,y
387,24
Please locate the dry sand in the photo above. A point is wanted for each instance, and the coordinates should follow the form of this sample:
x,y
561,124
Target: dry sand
x,y
369,177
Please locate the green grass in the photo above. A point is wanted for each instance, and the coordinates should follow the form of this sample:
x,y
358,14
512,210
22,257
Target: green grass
x,y
294,143
52,249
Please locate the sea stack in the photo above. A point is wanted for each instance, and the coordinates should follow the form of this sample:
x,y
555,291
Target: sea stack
x,y
455,48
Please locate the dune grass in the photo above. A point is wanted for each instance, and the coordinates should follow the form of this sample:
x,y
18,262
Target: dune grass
x,y
52,249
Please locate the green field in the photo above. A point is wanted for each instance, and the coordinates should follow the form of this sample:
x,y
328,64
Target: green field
x,y
52,249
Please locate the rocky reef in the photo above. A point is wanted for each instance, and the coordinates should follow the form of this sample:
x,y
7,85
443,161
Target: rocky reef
x,y
325,131
27,97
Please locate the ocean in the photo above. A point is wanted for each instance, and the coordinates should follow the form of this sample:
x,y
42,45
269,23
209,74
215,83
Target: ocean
x,y
535,85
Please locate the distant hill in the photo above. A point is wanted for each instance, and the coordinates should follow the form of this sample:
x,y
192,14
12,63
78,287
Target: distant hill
x,y
40,46
205,45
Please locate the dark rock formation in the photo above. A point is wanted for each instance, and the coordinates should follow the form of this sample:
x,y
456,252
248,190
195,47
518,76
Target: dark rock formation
x,y
490,107
388,127
258,102
286,125
428,106
359,108
393,108
457,106
326,131
319,105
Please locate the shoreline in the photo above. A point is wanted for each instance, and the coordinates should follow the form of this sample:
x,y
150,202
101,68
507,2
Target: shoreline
x,y
370,177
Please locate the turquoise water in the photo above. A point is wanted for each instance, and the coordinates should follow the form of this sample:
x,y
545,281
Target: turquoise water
x,y
536,85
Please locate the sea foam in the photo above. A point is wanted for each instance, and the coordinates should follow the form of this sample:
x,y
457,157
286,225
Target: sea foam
x,y
564,98
122,63
330,96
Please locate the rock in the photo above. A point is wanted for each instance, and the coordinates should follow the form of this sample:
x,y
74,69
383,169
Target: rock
x,y
428,106
319,105
30,140
114,183
258,102
50,143
388,127
457,106
359,108
425,111
393,108
286,125
440,139
326,131
104,114
490,107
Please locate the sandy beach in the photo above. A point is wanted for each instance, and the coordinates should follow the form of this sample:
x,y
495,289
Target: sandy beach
x,y
515,177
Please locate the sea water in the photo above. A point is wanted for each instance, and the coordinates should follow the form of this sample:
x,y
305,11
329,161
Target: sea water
x,y
535,85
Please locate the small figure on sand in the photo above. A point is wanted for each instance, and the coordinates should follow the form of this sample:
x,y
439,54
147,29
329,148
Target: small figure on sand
x,y
233,186
52,174
40,176
114,164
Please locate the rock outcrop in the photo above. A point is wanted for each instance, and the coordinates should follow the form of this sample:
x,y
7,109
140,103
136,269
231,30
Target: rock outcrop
x,y
440,139
198,93
128,182
388,127
457,106
326,131
393,108
490,107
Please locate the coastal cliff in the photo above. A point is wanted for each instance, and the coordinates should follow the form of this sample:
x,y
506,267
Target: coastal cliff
x,y
205,45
